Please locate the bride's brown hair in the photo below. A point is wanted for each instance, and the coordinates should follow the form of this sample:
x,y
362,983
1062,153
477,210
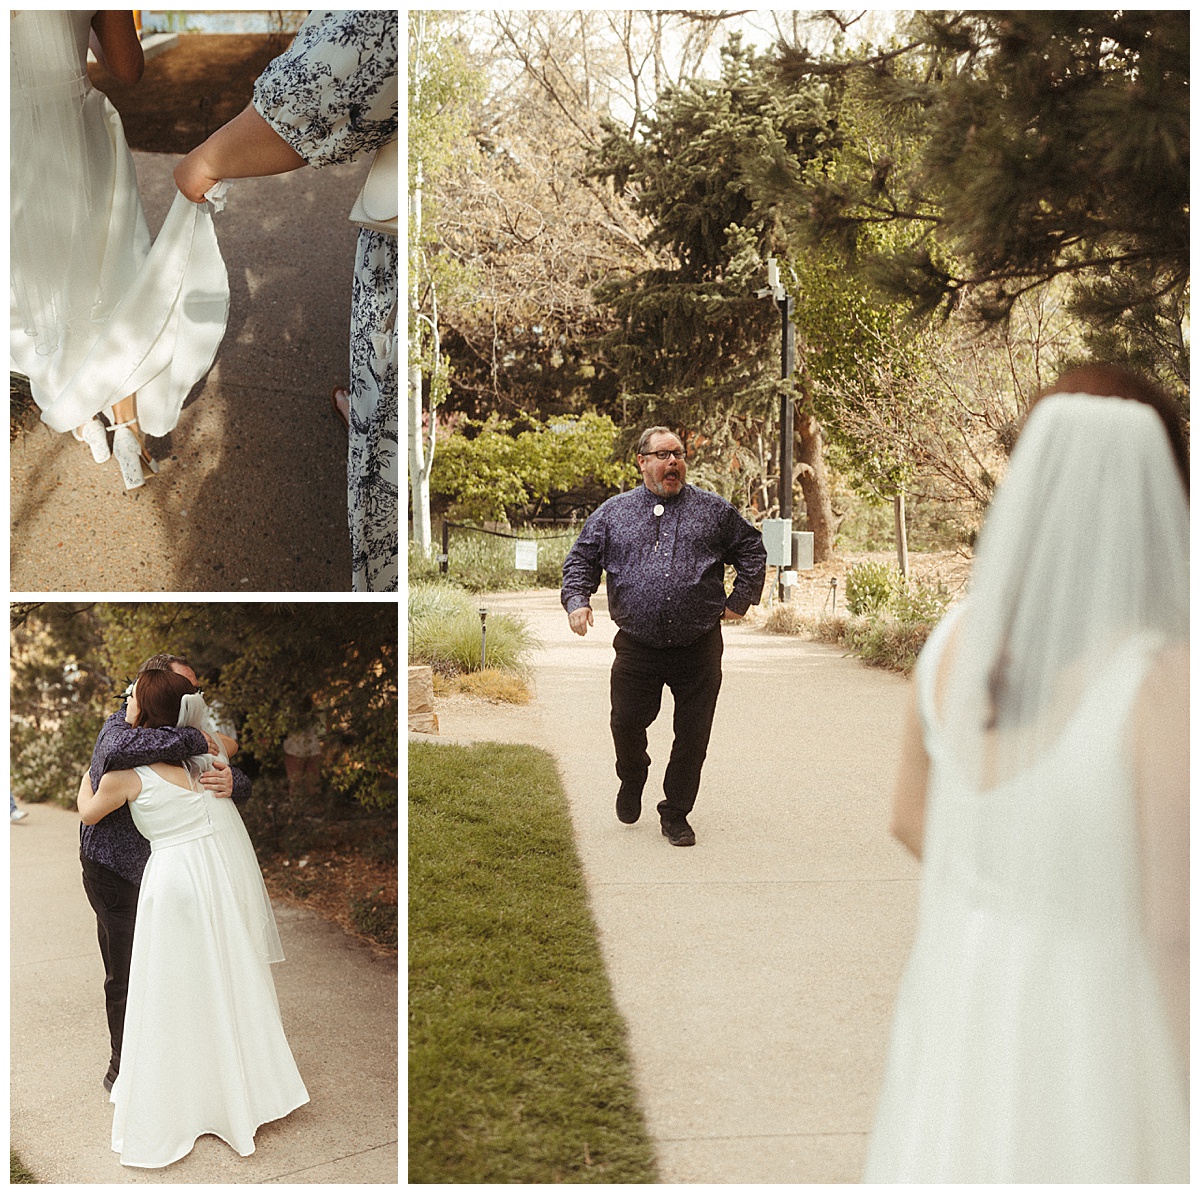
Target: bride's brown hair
x,y
1115,381
159,694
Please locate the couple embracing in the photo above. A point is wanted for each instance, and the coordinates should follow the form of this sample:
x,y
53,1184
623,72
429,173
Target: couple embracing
x,y
1041,1028
185,928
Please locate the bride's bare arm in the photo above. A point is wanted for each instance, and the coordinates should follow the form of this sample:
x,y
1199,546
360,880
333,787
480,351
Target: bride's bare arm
x,y
246,147
115,43
1161,760
912,777
116,788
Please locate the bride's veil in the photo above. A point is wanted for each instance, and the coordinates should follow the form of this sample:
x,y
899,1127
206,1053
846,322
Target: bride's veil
x,y
234,845
1082,562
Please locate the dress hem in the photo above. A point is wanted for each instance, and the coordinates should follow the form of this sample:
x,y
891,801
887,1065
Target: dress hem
x,y
209,1132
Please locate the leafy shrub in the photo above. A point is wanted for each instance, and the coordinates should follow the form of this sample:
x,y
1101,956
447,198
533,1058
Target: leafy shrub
x,y
496,470
869,587
47,764
917,602
890,637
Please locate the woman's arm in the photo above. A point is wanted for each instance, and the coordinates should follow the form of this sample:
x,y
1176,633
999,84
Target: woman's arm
x,y
912,778
229,744
116,788
115,43
1161,762
246,147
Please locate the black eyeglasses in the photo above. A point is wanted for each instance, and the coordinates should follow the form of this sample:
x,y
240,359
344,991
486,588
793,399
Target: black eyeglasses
x,y
668,454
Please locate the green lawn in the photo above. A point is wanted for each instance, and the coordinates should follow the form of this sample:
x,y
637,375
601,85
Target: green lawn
x,y
518,1067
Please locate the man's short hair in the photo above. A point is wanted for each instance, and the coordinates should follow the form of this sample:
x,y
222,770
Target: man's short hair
x,y
647,435
162,663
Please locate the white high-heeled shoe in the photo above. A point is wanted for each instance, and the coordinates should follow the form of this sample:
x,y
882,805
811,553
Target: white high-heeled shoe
x,y
93,434
131,455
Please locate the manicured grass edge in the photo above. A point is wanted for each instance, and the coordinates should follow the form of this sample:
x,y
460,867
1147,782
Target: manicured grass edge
x,y
519,1069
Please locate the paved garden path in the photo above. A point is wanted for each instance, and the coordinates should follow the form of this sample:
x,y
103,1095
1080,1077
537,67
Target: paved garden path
x,y
757,970
339,1009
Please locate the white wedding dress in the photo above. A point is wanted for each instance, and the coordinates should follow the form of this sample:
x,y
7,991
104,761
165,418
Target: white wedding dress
x,y
97,312
1030,1041
204,1048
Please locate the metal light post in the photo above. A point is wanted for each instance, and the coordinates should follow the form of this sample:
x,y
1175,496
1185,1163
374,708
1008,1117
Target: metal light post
x,y
482,638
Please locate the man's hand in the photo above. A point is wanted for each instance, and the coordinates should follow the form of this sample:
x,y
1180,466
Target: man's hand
x,y
729,616
580,619
219,781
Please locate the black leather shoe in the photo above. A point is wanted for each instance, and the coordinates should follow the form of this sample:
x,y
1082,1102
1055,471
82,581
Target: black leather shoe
x,y
679,833
629,804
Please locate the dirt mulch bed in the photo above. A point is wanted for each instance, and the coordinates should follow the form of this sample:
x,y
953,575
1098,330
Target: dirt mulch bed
x,y
327,882
189,91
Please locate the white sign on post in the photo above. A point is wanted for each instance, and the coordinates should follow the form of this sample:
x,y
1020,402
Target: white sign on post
x,y
527,555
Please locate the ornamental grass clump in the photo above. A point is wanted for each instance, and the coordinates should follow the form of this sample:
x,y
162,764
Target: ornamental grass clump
x,y
444,631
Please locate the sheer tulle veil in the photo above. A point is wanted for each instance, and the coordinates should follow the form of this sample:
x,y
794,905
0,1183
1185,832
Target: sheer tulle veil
x,y
1083,551
234,845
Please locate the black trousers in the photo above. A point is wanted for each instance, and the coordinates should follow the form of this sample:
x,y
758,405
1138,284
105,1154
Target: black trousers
x,y
693,674
114,900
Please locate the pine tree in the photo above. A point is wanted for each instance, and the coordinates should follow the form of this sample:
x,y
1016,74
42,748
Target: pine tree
x,y
1047,144
695,348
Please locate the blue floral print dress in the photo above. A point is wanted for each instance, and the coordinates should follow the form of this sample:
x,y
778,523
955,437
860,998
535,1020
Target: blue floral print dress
x,y
332,96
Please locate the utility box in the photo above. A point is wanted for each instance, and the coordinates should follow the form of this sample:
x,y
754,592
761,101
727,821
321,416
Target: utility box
x,y
802,550
777,539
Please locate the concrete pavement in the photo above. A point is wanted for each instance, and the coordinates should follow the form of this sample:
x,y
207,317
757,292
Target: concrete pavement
x,y
251,496
757,970
339,1010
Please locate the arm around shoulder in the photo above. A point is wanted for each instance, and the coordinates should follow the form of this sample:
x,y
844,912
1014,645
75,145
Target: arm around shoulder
x,y
129,746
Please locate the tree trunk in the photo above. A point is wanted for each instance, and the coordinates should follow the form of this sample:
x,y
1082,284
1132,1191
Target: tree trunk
x,y
420,462
901,534
814,481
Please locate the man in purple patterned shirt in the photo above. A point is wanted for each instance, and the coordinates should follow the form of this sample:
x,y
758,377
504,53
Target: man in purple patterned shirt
x,y
663,548
113,854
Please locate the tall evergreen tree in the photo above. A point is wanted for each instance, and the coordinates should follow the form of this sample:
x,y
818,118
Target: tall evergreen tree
x,y
1048,144
695,347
